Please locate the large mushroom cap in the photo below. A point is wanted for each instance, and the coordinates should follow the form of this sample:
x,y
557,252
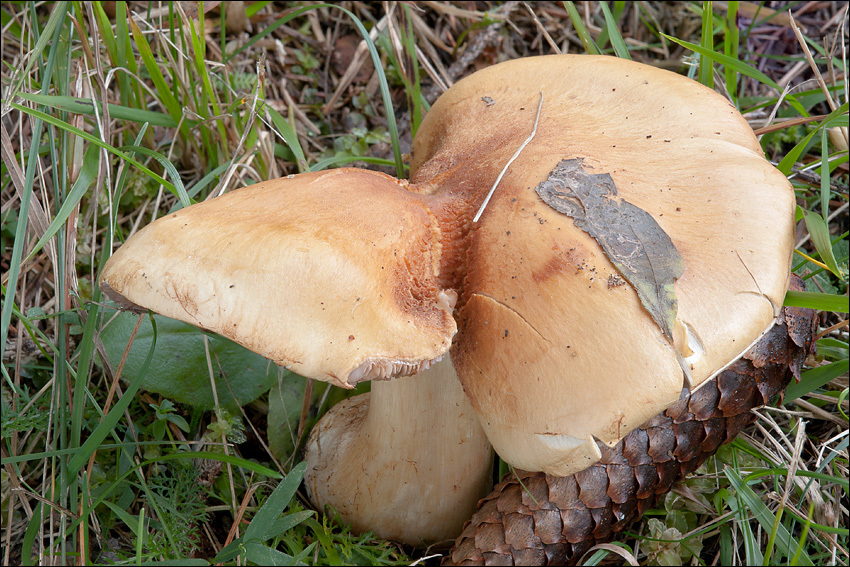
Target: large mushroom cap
x,y
556,347
330,274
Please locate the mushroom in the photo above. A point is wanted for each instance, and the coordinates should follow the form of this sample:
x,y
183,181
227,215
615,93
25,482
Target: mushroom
x,y
636,241
335,276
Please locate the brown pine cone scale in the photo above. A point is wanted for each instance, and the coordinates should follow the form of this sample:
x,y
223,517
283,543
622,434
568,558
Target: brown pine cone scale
x,y
536,519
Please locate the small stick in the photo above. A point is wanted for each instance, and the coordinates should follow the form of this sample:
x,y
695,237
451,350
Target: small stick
x,y
510,161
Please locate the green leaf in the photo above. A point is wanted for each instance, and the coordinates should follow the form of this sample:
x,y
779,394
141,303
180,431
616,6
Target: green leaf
x,y
231,550
162,88
287,132
814,300
376,61
180,191
824,176
282,525
819,231
834,118
265,522
343,159
93,139
179,368
815,378
260,554
181,455
706,66
87,107
59,12
285,399
738,66
36,522
614,33
833,349
105,30
110,420
129,520
730,47
184,562
587,41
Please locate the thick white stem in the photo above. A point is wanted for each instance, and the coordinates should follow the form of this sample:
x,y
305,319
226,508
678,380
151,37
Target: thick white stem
x,y
408,461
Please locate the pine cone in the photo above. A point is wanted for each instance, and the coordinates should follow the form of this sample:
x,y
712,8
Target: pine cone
x,y
553,521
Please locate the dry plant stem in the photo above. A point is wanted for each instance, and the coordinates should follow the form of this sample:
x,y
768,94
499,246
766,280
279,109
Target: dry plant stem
x,y
542,29
802,41
233,533
408,461
112,389
510,161
220,418
572,514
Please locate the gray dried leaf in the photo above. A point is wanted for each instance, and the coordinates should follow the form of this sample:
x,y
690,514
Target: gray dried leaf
x,y
630,237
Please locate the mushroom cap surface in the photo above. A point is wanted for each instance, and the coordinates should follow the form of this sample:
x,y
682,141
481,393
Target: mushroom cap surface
x,y
555,348
330,274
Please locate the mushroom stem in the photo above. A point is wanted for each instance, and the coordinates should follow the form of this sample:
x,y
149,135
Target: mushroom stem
x,y
408,461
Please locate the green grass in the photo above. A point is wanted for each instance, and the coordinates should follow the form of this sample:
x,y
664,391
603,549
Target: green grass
x,y
112,120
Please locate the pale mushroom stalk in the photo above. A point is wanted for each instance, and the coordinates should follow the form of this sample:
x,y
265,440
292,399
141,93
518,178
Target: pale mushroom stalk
x,y
408,461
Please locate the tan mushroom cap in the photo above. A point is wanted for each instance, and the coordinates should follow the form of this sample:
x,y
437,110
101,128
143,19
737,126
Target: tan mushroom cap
x,y
553,351
331,274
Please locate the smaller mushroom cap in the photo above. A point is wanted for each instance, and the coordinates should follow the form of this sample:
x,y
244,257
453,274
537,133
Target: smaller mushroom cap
x,y
330,274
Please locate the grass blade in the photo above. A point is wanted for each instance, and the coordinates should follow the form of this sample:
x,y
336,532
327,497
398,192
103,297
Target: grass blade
x,y
162,88
56,20
179,190
29,536
815,378
116,111
819,231
730,48
784,541
706,65
105,427
91,161
392,125
586,40
340,160
738,66
837,117
614,33
268,513
815,300
290,138
94,140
